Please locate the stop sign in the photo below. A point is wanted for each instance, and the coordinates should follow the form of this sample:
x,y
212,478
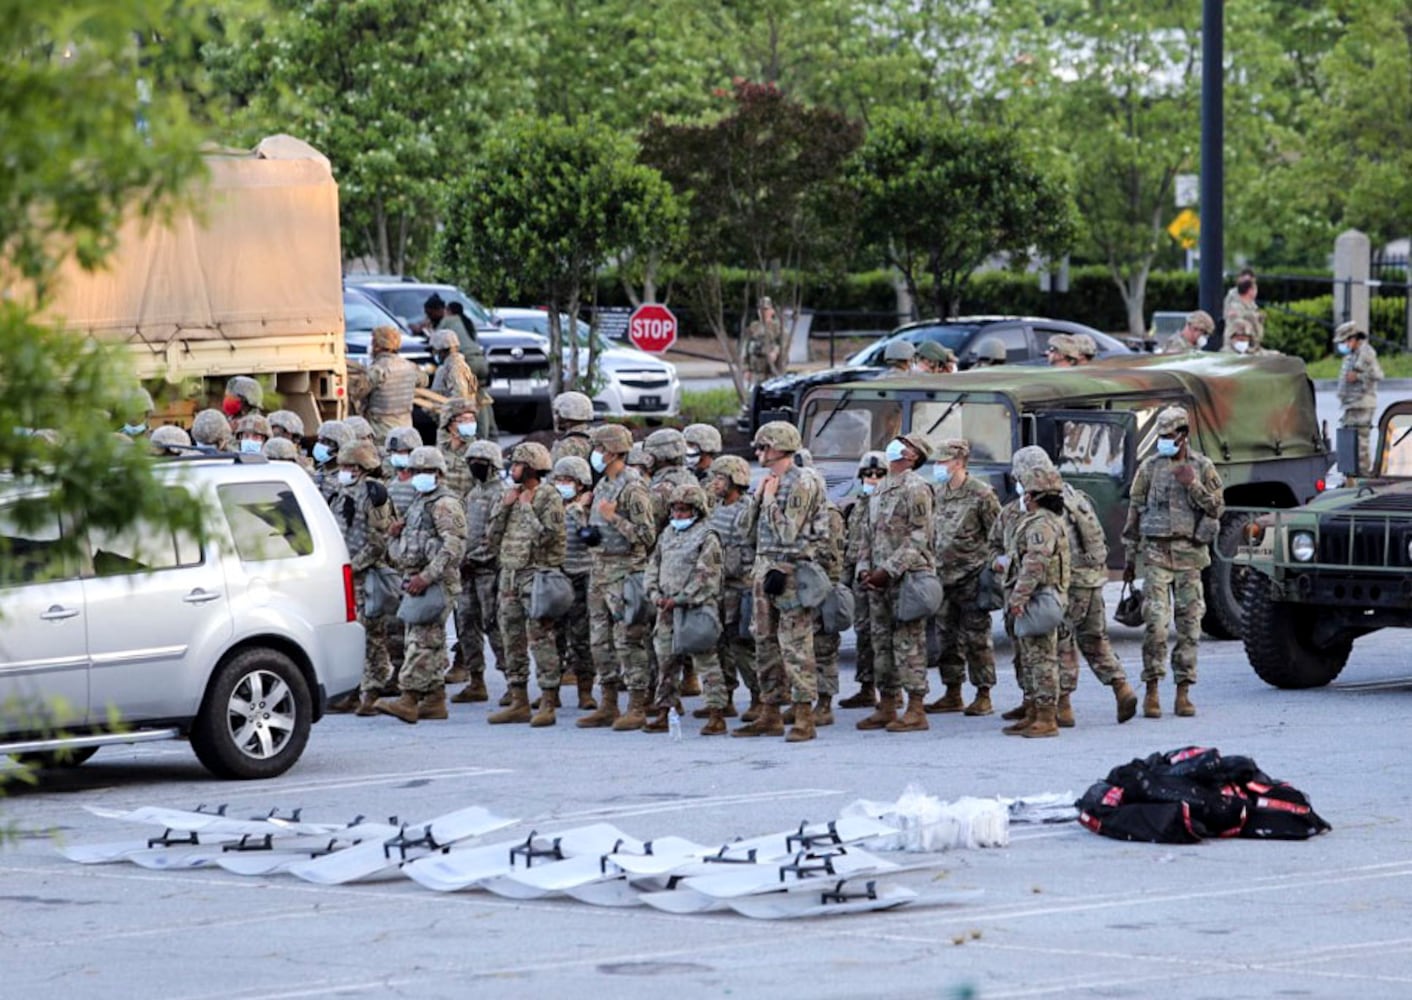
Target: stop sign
x,y
652,327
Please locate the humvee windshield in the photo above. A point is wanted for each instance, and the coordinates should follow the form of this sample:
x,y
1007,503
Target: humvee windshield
x,y
1397,446
844,432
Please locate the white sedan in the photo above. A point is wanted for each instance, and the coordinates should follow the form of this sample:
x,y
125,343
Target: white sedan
x,y
632,381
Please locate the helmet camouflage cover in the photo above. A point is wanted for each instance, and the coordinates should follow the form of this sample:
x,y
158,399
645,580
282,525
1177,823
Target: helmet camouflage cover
x,y
734,468
485,451
573,406
361,454
612,439
689,495
706,438
536,456
666,444
780,435
575,468
427,458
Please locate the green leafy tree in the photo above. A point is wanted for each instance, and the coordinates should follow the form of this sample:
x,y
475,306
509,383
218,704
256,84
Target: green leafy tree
x,y
937,199
576,199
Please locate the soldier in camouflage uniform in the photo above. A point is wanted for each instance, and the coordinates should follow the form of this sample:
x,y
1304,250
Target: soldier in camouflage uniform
x,y
573,413
623,539
427,546
1173,516
364,513
1192,336
733,519
788,505
897,540
872,469
251,433
574,480
211,429
667,449
243,397
528,530
392,383
703,444
934,359
1241,339
1039,557
330,437
361,430
456,431
1002,540
452,376
685,572
1358,378
964,510
764,342
1064,351
478,609
397,467
1240,305
830,553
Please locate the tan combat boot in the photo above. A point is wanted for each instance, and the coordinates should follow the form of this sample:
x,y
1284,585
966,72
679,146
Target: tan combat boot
x,y
517,711
348,703
548,702
1064,712
981,705
473,691
753,712
1018,727
823,711
1045,723
715,723
1152,704
885,713
690,685
1016,713
607,711
506,699
458,674
914,720
584,684
727,713
658,723
1126,698
1184,707
403,707
867,697
803,729
952,701
787,716
367,705
636,715
433,704
768,723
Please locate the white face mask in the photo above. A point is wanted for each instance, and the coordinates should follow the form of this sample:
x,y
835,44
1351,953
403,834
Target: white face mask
x,y
249,446
1201,342
467,431
346,477
400,461
424,482
1240,346
692,457
566,491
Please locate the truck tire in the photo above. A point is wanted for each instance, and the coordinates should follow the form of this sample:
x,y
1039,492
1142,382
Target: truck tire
x,y
1279,645
1223,583
255,719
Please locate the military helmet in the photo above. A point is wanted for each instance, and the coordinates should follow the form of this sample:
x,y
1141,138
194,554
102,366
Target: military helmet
x,y
705,437
1031,456
1172,419
444,340
288,421
872,460
1240,327
574,407
1200,320
639,456
1348,330
138,403
734,468
404,439
917,443
361,454
210,428
666,444
691,495
1039,480
245,389
280,449
454,407
899,350
575,468
1088,347
254,423
486,451
954,448
386,339
992,349
1066,346
427,457
933,351
536,456
169,436
336,431
612,439
780,435
359,428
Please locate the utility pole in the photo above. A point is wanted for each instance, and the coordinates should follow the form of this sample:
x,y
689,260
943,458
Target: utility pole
x,y
1213,127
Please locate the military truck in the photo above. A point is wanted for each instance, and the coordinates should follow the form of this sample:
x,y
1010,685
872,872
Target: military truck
x,y
1323,574
1254,417
247,282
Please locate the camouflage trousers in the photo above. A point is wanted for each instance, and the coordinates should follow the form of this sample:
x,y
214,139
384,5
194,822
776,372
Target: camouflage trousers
x,y
1039,659
708,668
477,618
424,660
964,633
1086,630
1361,418
825,658
571,632
520,634
1162,590
863,632
899,648
377,666
619,650
736,651
784,647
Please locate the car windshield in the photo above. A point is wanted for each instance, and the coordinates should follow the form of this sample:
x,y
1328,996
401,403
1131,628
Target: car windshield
x,y
949,335
834,432
985,425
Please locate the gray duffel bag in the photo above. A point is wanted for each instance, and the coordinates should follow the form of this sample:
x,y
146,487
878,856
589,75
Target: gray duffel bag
x,y
990,591
811,584
382,592
836,613
551,594
695,630
423,608
636,607
919,596
1042,614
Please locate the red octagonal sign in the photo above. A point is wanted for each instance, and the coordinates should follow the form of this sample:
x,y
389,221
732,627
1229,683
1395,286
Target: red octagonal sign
x,y
652,327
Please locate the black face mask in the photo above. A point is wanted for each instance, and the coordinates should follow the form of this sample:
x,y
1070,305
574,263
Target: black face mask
x,y
480,470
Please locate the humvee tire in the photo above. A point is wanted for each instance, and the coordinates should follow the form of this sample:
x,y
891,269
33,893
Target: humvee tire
x,y
1279,641
1223,583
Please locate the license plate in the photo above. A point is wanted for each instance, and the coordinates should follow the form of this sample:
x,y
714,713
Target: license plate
x,y
524,386
650,402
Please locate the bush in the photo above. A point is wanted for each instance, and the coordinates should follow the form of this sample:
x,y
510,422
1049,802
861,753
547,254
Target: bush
x,y
1305,327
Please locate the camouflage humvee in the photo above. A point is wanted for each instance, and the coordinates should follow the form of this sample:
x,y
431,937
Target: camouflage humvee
x,y
1333,570
1254,417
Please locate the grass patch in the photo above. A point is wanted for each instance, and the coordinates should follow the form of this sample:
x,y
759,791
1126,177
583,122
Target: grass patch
x,y
1393,365
709,406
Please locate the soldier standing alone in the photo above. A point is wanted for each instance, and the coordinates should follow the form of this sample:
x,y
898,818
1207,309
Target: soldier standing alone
x,y
1358,378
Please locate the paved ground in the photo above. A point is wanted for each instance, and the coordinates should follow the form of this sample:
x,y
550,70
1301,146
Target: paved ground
x,y
1062,912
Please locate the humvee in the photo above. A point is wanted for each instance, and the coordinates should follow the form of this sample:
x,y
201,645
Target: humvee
x,y
1321,575
1254,417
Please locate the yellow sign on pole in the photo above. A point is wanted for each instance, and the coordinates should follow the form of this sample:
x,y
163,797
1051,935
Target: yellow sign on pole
x,y
1186,229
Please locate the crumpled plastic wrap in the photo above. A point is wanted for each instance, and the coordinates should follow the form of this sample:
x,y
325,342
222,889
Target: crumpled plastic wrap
x,y
926,824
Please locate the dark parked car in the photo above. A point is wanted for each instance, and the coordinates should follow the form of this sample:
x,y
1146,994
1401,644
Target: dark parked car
x,y
1025,339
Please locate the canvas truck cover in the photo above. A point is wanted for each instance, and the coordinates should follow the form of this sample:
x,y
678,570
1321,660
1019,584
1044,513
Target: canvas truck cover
x,y
258,256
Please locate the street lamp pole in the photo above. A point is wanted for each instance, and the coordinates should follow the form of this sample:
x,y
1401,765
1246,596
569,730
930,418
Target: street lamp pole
x,y
1212,147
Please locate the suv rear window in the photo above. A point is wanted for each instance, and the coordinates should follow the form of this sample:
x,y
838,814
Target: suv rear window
x,y
265,521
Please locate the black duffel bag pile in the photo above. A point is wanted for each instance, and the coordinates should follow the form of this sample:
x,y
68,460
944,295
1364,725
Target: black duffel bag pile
x,y
1192,794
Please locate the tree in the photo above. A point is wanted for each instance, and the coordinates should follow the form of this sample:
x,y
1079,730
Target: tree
x,y
936,199
575,199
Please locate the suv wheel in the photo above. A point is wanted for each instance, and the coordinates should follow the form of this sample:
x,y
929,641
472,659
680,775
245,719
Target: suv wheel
x,y
1279,641
1224,583
255,719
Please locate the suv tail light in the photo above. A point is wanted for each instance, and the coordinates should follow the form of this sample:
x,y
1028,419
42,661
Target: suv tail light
x,y
350,604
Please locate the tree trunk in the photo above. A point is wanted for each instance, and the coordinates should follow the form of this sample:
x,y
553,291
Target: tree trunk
x,y
384,251
1133,288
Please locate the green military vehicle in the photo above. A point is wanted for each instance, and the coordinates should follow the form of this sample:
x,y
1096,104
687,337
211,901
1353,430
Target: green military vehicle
x,y
1319,576
1254,417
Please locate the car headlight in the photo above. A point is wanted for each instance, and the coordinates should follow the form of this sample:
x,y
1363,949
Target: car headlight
x,y
1301,546
1409,550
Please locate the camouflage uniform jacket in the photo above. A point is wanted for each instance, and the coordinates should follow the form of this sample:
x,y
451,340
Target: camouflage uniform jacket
x,y
734,526
961,523
686,566
433,539
402,493
1088,549
830,549
1177,344
1358,378
574,444
326,479
663,482
393,382
482,502
1040,556
786,529
530,535
857,530
457,478
1235,308
578,557
899,533
363,514
453,378
1163,514
633,531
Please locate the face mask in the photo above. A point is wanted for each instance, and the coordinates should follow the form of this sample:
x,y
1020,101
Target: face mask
x,y
466,431
692,457
399,461
1166,447
940,473
424,482
230,406
596,460
868,488
346,477
682,523
322,453
566,491
1019,490
480,471
1240,346
895,452
1201,342
134,430
1343,349
249,446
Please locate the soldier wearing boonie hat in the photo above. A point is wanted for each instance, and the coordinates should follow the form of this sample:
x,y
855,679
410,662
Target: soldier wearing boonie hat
x,y
1358,378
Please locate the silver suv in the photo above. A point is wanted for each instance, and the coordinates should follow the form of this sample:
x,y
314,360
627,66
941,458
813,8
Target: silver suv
x,y
233,641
